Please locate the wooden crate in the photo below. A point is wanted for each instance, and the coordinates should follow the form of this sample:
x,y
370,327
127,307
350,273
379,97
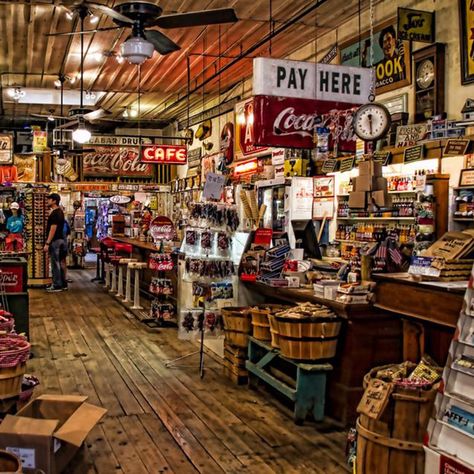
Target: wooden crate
x,y
238,375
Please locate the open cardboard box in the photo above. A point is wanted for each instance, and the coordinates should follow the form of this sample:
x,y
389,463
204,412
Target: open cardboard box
x,y
48,431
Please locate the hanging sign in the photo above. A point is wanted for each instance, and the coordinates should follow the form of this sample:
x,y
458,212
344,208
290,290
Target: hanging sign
x,y
375,398
330,55
456,147
164,154
329,165
408,135
416,25
115,161
214,186
119,199
114,140
162,228
347,164
40,141
382,157
194,157
291,123
305,80
413,153
6,149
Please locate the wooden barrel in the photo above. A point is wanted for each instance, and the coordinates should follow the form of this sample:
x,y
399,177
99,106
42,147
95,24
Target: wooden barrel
x,y
9,463
309,348
260,322
308,326
393,444
10,381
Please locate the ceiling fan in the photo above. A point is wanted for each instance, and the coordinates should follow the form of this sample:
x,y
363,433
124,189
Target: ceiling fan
x,y
140,16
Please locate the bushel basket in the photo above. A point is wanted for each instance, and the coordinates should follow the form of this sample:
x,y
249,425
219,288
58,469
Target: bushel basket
x,y
309,348
9,463
310,326
14,350
393,443
260,322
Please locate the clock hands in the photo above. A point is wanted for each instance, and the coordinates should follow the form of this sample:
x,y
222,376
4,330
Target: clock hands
x,y
369,116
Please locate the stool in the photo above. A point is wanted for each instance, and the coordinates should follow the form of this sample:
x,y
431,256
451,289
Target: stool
x,y
123,262
114,260
137,266
98,275
108,268
128,282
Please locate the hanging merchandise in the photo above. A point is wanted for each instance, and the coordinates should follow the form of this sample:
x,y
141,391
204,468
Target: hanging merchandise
x,y
214,215
161,286
160,262
209,268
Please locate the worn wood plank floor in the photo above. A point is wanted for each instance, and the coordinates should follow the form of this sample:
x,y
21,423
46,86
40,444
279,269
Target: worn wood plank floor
x,y
161,420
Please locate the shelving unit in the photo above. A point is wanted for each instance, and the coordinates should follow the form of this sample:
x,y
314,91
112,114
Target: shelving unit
x,y
451,430
463,206
376,218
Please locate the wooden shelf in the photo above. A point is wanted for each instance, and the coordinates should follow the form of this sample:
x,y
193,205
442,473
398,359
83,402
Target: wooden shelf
x,y
464,219
376,218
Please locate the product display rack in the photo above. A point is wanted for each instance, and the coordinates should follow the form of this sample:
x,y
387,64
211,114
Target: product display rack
x,y
451,430
36,216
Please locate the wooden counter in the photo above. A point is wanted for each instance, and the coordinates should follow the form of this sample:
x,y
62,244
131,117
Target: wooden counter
x,y
136,243
429,310
369,338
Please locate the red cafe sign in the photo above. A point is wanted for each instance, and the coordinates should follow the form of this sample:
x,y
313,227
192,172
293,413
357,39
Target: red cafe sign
x,y
290,122
115,161
165,154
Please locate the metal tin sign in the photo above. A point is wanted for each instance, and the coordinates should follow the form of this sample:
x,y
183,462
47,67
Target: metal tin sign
x,y
416,25
118,199
305,80
162,228
114,140
6,149
165,154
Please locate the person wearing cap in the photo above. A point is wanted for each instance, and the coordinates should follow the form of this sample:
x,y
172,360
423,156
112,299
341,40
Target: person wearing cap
x,y
55,243
15,224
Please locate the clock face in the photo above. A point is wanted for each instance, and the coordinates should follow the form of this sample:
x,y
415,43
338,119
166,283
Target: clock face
x,y
371,121
425,74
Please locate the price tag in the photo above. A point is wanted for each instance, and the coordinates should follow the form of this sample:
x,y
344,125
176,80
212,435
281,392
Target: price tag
x,y
347,164
422,266
383,157
329,165
375,398
214,186
456,147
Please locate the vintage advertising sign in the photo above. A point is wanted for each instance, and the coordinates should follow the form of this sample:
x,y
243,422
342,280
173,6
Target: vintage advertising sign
x,y
11,278
115,161
283,78
290,122
416,25
164,154
162,228
114,140
244,141
6,149
40,141
392,60
409,135
466,40
450,466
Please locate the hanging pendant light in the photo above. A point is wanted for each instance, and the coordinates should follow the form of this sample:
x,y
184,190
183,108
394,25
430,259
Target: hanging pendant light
x,y
81,134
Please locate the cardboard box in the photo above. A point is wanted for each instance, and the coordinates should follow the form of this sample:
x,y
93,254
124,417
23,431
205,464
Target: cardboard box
x,y
48,431
370,168
365,183
381,198
379,184
357,199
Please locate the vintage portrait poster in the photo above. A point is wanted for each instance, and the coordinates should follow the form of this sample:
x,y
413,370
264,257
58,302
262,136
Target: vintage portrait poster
x,y
392,60
466,20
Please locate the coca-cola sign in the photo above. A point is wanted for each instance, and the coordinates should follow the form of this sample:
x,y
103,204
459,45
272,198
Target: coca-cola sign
x,y
115,161
289,122
162,228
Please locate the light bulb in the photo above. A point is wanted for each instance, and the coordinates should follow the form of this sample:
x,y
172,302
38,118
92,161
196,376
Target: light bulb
x,y
120,59
11,92
133,112
69,15
51,118
72,80
93,19
57,83
125,113
241,118
81,134
98,56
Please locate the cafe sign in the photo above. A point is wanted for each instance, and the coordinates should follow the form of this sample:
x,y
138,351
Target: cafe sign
x,y
114,140
317,81
165,154
115,161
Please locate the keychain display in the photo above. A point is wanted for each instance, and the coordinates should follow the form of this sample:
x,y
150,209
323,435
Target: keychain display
x,y
161,311
207,240
218,215
211,292
161,286
191,322
209,268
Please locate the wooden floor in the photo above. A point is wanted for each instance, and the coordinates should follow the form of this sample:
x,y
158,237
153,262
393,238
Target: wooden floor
x,y
161,420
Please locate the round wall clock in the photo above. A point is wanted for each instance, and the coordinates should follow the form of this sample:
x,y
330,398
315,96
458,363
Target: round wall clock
x,y
425,74
371,121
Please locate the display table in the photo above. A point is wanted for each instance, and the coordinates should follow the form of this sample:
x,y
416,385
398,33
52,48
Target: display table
x,y
429,311
368,338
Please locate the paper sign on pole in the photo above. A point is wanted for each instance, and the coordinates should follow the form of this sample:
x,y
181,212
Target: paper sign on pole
x,y
214,186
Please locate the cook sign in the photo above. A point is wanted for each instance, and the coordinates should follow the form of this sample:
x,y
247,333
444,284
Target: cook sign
x,y
328,82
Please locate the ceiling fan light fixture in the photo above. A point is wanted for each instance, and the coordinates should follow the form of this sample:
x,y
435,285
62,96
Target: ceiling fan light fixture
x,y
136,50
125,113
69,15
57,83
120,59
98,56
51,118
133,113
94,19
81,134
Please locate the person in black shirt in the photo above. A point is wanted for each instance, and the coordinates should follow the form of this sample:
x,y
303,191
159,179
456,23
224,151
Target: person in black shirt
x,y
55,243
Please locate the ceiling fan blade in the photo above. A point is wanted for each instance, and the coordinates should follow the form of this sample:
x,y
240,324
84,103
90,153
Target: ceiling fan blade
x,y
161,42
108,11
198,18
85,32
96,114
67,125
43,116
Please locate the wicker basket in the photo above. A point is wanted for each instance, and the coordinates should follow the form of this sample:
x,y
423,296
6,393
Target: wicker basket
x,y
14,350
237,339
310,348
397,436
10,381
9,463
308,327
237,319
7,322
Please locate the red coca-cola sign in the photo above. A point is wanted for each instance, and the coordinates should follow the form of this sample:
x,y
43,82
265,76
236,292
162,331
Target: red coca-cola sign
x,y
162,228
450,466
165,154
11,279
115,161
290,122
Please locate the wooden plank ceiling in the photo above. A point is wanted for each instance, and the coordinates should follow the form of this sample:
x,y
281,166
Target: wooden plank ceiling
x,y
29,58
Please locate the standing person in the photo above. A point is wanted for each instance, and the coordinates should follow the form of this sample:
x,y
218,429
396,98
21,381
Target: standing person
x,y
55,243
